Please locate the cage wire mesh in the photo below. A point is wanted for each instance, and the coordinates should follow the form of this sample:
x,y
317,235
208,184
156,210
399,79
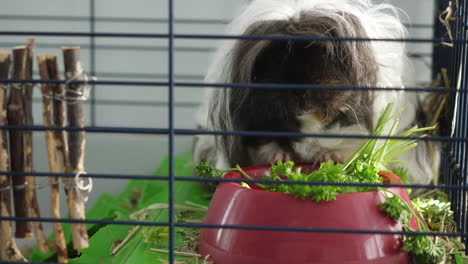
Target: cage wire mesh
x,y
454,169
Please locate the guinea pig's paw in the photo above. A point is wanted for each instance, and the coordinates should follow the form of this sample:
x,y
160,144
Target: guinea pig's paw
x,y
332,155
280,156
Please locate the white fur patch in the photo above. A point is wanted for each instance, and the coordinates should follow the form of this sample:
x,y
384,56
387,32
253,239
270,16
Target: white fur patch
x,y
313,149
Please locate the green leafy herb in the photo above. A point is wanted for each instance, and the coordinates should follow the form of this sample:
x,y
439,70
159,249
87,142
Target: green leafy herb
x,y
395,207
402,173
363,171
425,249
438,213
439,218
328,172
206,170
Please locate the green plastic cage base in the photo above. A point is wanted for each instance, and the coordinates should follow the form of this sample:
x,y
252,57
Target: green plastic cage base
x,y
137,195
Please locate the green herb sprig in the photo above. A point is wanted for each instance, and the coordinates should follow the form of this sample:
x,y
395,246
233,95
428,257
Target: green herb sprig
x,y
439,218
424,248
206,170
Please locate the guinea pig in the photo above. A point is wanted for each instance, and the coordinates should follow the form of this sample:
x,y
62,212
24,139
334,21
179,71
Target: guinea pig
x,y
353,63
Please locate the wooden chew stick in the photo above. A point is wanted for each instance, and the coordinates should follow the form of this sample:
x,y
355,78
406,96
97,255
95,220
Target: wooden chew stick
x,y
61,246
58,91
15,116
8,249
76,143
28,151
58,120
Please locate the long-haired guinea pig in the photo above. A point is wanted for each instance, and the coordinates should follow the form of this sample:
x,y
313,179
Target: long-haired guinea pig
x,y
319,62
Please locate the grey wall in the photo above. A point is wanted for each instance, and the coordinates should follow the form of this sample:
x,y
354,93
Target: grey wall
x,y
140,154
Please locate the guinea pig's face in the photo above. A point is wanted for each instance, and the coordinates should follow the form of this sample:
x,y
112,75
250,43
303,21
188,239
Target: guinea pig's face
x,y
341,113
311,112
336,108
317,111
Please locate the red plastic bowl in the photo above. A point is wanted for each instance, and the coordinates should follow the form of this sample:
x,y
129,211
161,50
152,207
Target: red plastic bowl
x,y
235,205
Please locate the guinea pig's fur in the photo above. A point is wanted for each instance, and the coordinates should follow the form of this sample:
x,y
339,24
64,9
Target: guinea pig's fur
x,y
343,63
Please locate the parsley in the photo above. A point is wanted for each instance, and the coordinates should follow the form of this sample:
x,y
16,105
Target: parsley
x,y
206,170
328,172
395,208
363,172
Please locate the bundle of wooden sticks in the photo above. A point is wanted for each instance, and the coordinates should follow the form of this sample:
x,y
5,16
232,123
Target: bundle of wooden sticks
x,y
62,106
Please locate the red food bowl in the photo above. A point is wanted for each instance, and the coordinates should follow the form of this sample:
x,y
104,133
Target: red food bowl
x,y
236,205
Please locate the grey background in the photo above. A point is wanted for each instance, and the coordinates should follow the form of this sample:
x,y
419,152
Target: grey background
x,y
141,154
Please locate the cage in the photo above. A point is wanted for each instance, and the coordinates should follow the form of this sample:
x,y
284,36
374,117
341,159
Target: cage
x,y
149,58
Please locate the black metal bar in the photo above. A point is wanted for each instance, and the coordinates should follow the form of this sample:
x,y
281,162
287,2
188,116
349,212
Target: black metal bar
x,y
132,75
245,227
450,163
219,180
138,103
445,164
440,53
142,48
451,66
463,108
242,85
92,55
462,76
135,75
456,167
190,21
220,37
137,48
130,20
191,132
171,133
